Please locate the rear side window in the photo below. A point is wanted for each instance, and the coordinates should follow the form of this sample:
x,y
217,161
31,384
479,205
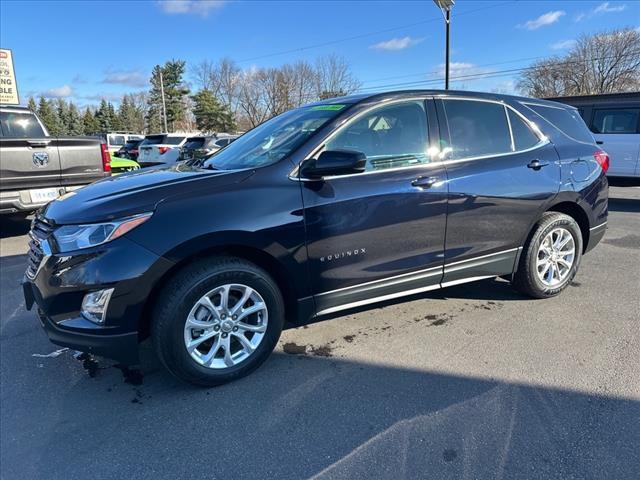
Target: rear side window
x,y
523,136
153,140
477,128
566,120
116,140
194,144
174,140
20,125
616,120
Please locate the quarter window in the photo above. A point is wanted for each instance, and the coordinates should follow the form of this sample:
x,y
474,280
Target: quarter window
x,y
391,136
477,128
619,120
523,136
567,120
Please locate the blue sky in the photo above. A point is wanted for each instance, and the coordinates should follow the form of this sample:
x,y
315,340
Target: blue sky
x,y
88,50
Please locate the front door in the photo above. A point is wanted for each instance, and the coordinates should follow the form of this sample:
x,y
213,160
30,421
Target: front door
x,y
379,234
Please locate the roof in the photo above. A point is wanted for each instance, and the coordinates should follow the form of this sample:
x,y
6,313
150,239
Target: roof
x,y
20,108
600,98
395,94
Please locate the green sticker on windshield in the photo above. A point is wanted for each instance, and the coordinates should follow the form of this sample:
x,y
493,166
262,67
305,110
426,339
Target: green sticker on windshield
x,y
328,107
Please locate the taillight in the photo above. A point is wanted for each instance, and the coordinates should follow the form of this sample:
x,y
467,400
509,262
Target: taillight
x,y
106,158
162,150
603,160
134,151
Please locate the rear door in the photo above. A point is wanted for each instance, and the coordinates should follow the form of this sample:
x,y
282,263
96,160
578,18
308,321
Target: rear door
x,y
618,131
378,234
29,158
501,174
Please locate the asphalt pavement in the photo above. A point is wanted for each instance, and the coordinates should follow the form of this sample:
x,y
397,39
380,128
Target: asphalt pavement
x,y
474,381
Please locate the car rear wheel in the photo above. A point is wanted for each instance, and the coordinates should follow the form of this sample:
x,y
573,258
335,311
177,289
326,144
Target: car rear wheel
x,y
551,257
217,320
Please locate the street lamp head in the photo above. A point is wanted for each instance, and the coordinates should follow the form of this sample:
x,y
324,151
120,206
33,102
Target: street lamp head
x,y
444,4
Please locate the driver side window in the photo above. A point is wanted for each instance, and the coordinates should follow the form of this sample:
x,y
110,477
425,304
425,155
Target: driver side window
x,y
391,136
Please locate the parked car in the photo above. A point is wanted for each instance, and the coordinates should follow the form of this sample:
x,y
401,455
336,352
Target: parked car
x,y
122,165
130,149
160,149
36,168
116,140
201,146
614,120
325,208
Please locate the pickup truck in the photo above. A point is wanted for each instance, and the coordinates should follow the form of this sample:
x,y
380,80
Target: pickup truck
x,y
36,168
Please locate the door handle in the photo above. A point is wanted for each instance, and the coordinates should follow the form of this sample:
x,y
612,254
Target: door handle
x,y
38,143
424,182
536,165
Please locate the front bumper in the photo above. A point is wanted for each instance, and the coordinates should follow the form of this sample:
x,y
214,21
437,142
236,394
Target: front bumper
x,y
18,201
62,281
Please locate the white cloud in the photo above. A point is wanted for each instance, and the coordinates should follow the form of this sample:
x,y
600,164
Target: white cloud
x,y
397,43
543,20
131,78
194,7
563,44
58,92
604,7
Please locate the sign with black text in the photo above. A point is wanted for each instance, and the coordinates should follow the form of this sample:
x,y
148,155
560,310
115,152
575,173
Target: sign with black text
x,y
8,86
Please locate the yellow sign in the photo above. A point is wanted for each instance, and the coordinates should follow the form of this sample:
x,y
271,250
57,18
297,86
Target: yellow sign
x,y
8,86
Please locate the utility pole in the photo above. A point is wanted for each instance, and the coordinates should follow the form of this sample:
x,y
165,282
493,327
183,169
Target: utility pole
x,y
445,6
164,105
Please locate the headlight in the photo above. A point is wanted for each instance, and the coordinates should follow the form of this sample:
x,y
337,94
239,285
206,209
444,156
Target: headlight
x,y
75,237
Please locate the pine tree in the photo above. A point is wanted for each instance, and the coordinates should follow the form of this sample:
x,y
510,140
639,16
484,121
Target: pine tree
x,y
114,120
49,117
211,115
90,125
175,92
62,110
75,125
103,117
154,117
32,105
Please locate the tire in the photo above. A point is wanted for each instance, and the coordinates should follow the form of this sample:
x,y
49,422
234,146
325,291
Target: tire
x,y
531,277
183,297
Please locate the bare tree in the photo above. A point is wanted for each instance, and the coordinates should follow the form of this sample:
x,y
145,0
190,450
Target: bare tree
x,y
203,74
334,77
606,62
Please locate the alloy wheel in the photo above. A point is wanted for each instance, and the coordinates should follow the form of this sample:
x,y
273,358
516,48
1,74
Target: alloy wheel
x,y
555,257
225,326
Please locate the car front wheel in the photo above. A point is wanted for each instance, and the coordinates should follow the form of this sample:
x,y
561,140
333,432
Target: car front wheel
x,y
217,320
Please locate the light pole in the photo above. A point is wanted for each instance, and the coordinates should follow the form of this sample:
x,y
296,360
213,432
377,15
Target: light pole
x,y
445,6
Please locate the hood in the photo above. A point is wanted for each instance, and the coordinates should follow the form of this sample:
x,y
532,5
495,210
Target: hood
x,y
135,192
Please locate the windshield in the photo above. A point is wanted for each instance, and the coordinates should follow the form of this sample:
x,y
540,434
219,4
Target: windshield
x,y
274,139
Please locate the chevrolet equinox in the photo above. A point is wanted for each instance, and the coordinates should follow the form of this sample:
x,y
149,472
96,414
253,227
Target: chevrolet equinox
x,y
324,208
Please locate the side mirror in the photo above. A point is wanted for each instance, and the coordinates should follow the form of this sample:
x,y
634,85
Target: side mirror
x,y
334,162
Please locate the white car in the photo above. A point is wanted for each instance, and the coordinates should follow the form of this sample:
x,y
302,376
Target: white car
x,y
116,140
614,120
160,149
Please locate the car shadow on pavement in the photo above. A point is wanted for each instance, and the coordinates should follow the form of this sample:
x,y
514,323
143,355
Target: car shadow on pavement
x,y
313,417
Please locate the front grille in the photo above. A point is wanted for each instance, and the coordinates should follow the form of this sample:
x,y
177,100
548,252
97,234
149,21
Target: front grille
x,y
40,231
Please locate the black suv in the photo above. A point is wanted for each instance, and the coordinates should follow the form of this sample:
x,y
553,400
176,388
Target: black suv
x,y
324,208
